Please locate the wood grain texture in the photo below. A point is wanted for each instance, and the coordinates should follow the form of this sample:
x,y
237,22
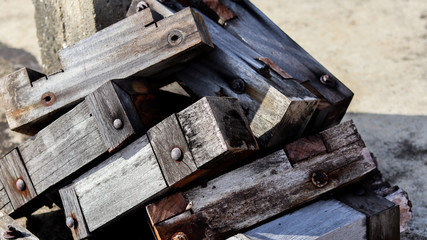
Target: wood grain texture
x,y
337,137
6,221
322,220
12,169
5,204
63,147
383,220
164,137
304,148
108,104
277,110
262,189
119,184
121,50
166,208
270,41
72,210
216,130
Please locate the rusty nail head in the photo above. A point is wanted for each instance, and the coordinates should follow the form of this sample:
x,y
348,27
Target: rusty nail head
x,y
141,6
176,154
69,221
319,179
327,80
48,99
175,37
12,233
180,236
20,185
118,124
238,85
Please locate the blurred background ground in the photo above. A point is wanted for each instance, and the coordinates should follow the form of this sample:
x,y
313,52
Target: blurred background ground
x,y
377,48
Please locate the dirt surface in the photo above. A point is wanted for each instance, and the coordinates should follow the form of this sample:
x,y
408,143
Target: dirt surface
x,y
377,48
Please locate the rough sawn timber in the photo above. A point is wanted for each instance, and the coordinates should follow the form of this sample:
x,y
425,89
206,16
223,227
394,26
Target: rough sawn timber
x,y
277,49
135,174
70,143
127,48
322,220
277,110
262,189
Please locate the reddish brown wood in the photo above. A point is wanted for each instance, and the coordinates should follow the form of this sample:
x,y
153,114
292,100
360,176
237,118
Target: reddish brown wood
x,y
305,148
166,208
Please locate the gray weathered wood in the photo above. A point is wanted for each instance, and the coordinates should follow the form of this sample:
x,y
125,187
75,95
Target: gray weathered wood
x,y
277,110
124,49
262,189
383,220
335,138
6,221
322,220
135,174
72,211
216,129
5,204
119,184
272,43
110,103
164,137
13,170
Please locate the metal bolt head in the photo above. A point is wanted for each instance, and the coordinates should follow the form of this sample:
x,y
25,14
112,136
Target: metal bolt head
x,y
176,154
141,6
48,99
265,71
20,184
69,221
175,37
180,236
118,124
238,86
319,179
12,233
327,80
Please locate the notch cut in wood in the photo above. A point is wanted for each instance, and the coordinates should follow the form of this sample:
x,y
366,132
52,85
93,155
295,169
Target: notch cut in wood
x,y
124,49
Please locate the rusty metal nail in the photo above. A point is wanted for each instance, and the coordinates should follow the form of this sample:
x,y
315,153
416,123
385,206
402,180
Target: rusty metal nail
x,y
179,236
12,233
69,221
319,179
175,37
176,154
118,124
20,184
238,85
327,80
265,71
141,6
48,99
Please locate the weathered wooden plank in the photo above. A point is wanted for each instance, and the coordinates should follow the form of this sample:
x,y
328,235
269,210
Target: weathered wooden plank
x,y
383,220
171,150
277,110
322,220
335,138
167,207
216,130
7,222
114,113
136,173
262,189
15,179
124,49
119,184
271,42
304,148
74,218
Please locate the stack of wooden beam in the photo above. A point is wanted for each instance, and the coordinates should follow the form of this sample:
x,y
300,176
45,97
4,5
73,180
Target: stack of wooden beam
x,y
201,117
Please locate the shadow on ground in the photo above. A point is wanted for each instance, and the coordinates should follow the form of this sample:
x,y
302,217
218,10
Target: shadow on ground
x,y
400,144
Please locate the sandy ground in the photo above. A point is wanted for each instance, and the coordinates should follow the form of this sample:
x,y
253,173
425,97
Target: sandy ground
x,y
377,48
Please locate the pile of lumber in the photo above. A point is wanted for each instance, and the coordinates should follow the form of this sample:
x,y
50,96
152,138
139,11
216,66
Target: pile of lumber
x,y
194,119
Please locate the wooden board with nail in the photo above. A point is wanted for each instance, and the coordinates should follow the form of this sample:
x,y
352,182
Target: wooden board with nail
x,y
278,111
127,48
277,50
230,203
10,229
69,144
146,168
